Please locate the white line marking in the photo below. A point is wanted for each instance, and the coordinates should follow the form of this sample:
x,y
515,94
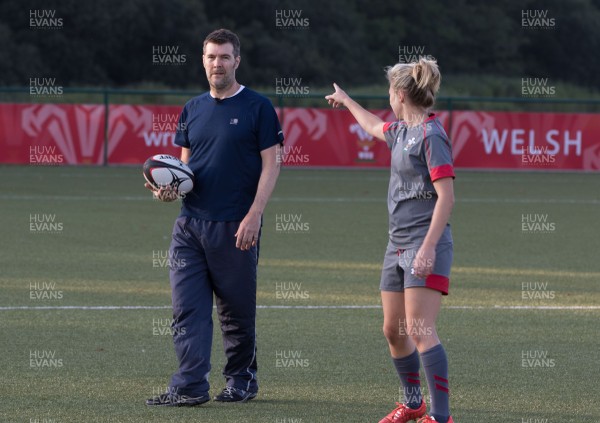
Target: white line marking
x,y
382,200
461,270
458,200
508,307
301,307
528,200
84,308
77,197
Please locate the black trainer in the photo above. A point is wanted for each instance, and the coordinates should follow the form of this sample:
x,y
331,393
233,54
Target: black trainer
x,y
169,399
231,394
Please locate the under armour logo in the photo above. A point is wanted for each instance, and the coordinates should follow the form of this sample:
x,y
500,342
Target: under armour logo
x,y
233,121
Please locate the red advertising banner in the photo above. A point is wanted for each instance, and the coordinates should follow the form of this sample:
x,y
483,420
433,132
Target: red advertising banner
x,y
544,141
51,134
486,140
138,132
327,137
75,134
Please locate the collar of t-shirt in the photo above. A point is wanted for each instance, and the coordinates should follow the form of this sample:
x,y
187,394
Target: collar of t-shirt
x,y
233,95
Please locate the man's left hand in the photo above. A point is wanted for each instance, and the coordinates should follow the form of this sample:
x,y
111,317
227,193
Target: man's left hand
x,y
247,233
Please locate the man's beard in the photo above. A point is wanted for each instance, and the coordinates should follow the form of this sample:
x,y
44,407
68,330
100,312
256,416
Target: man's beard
x,y
223,84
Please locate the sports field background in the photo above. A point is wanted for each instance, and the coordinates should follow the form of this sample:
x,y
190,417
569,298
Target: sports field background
x,y
113,358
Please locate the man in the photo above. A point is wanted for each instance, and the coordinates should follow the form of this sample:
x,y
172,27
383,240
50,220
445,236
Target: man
x,y
229,138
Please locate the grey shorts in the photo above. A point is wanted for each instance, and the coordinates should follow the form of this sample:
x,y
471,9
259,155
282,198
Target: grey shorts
x,y
397,268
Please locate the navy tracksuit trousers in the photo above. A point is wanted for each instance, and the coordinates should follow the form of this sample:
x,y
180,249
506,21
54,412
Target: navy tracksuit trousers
x,y
205,261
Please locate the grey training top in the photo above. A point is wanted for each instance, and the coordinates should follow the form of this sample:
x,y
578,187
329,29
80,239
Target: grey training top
x,y
420,156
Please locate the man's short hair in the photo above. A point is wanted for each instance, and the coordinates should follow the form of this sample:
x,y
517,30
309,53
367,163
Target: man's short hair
x,y
223,36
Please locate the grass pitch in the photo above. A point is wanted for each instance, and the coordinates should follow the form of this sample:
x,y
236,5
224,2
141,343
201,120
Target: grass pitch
x,y
520,324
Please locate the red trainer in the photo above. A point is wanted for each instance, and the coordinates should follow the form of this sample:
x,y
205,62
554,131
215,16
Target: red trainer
x,y
404,413
427,419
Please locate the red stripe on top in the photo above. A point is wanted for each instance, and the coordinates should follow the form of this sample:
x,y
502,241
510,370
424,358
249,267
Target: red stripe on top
x,y
441,388
440,379
443,171
386,126
413,374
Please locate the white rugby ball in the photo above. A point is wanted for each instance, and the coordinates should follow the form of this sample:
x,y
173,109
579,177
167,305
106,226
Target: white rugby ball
x,y
164,170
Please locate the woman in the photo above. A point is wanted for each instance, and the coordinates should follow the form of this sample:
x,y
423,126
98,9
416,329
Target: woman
x,y
417,262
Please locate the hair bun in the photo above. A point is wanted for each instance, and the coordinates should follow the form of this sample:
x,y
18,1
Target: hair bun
x,y
426,74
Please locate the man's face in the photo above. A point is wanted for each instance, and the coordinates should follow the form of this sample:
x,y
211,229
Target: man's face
x,y
220,65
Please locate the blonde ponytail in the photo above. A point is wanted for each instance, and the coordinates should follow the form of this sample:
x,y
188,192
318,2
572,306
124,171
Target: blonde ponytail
x,y
419,80
427,75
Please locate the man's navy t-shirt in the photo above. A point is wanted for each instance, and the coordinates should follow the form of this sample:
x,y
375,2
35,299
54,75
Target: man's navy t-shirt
x,y
226,138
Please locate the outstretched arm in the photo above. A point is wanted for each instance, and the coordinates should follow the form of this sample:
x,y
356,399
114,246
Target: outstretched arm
x,y
367,120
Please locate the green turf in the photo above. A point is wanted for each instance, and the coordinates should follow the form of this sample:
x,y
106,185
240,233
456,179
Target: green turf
x,y
112,360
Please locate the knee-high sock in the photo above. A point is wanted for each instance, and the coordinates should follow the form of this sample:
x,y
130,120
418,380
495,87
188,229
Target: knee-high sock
x,y
408,370
435,363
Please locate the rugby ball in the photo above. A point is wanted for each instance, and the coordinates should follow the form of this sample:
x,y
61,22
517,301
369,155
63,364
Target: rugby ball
x,y
163,170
